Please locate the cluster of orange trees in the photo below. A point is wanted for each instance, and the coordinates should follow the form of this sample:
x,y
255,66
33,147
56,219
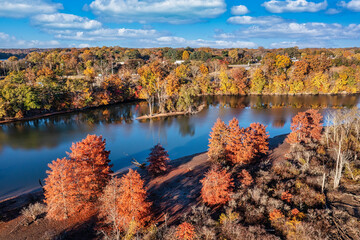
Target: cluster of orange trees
x,y
234,145
82,182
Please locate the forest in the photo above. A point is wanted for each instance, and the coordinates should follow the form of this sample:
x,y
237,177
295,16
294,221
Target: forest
x,y
304,185
60,80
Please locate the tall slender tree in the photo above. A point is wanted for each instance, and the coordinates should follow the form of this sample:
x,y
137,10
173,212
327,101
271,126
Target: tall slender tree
x,y
217,141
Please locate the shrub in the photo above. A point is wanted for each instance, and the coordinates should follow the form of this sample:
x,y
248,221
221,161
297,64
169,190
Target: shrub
x,y
33,211
185,231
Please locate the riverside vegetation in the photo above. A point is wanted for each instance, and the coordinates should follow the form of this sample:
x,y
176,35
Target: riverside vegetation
x,y
58,80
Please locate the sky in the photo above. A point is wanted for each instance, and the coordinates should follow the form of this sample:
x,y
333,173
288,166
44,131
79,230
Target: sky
x,y
179,23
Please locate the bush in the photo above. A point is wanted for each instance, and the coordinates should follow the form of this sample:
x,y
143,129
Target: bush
x,y
33,212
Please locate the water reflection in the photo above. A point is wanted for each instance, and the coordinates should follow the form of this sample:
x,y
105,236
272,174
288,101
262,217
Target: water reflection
x,y
27,147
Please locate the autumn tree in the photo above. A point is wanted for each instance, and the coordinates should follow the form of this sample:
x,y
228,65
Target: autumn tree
x,y
245,178
185,55
258,137
306,127
240,79
185,231
217,141
132,205
158,160
93,165
60,190
258,81
216,187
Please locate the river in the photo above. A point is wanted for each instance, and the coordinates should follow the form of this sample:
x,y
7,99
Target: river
x,y
27,147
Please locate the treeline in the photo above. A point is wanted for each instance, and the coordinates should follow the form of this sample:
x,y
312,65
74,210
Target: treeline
x,y
62,79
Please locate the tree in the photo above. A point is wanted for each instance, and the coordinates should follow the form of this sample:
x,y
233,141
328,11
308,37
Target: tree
x,y
245,178
216,187
158,160
225,82
217,141
258,137
60,190
109,202
258,81
185,231
238,148
185,55
93,165
132,205
240,79
306,127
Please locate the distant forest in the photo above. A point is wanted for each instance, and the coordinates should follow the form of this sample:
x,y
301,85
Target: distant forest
x,y
52,80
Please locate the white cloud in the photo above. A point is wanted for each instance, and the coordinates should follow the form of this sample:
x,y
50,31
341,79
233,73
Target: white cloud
x,y
172,11
26,8
353,5
66,21
279,6
239,10
105,34
307,44
8,41
311,30
171,41
333,11
247,20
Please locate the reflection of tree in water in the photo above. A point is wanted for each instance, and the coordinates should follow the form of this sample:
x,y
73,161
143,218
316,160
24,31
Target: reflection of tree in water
x,y
278,123
185,127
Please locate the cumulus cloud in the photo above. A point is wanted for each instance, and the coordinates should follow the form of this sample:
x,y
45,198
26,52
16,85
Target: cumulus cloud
x,y
63,20
279,6
171,41
105,34
248,20
333,11
26,8
353,5
172,11
239,10
311,30
8,41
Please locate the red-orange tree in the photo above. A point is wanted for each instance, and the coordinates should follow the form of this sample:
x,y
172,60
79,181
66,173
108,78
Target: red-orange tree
x,y
185,231
259,138
158,160
132,204
60,190
216,187
236,146
217,141
245,178
306,127
93,168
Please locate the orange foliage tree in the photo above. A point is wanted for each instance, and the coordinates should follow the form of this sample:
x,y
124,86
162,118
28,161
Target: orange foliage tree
x,y
245,178
306,127
60,190
158,160
131,204
185,231
217,141
216,187
93,168
244,144
258,137
237,149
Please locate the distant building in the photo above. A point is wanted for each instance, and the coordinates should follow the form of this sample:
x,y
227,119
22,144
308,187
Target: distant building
x,y
177,62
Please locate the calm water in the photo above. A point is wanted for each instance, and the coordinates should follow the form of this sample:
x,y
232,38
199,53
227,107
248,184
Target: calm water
x,y
27,147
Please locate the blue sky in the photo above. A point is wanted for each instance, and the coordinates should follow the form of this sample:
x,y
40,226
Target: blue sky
x,y
179,23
